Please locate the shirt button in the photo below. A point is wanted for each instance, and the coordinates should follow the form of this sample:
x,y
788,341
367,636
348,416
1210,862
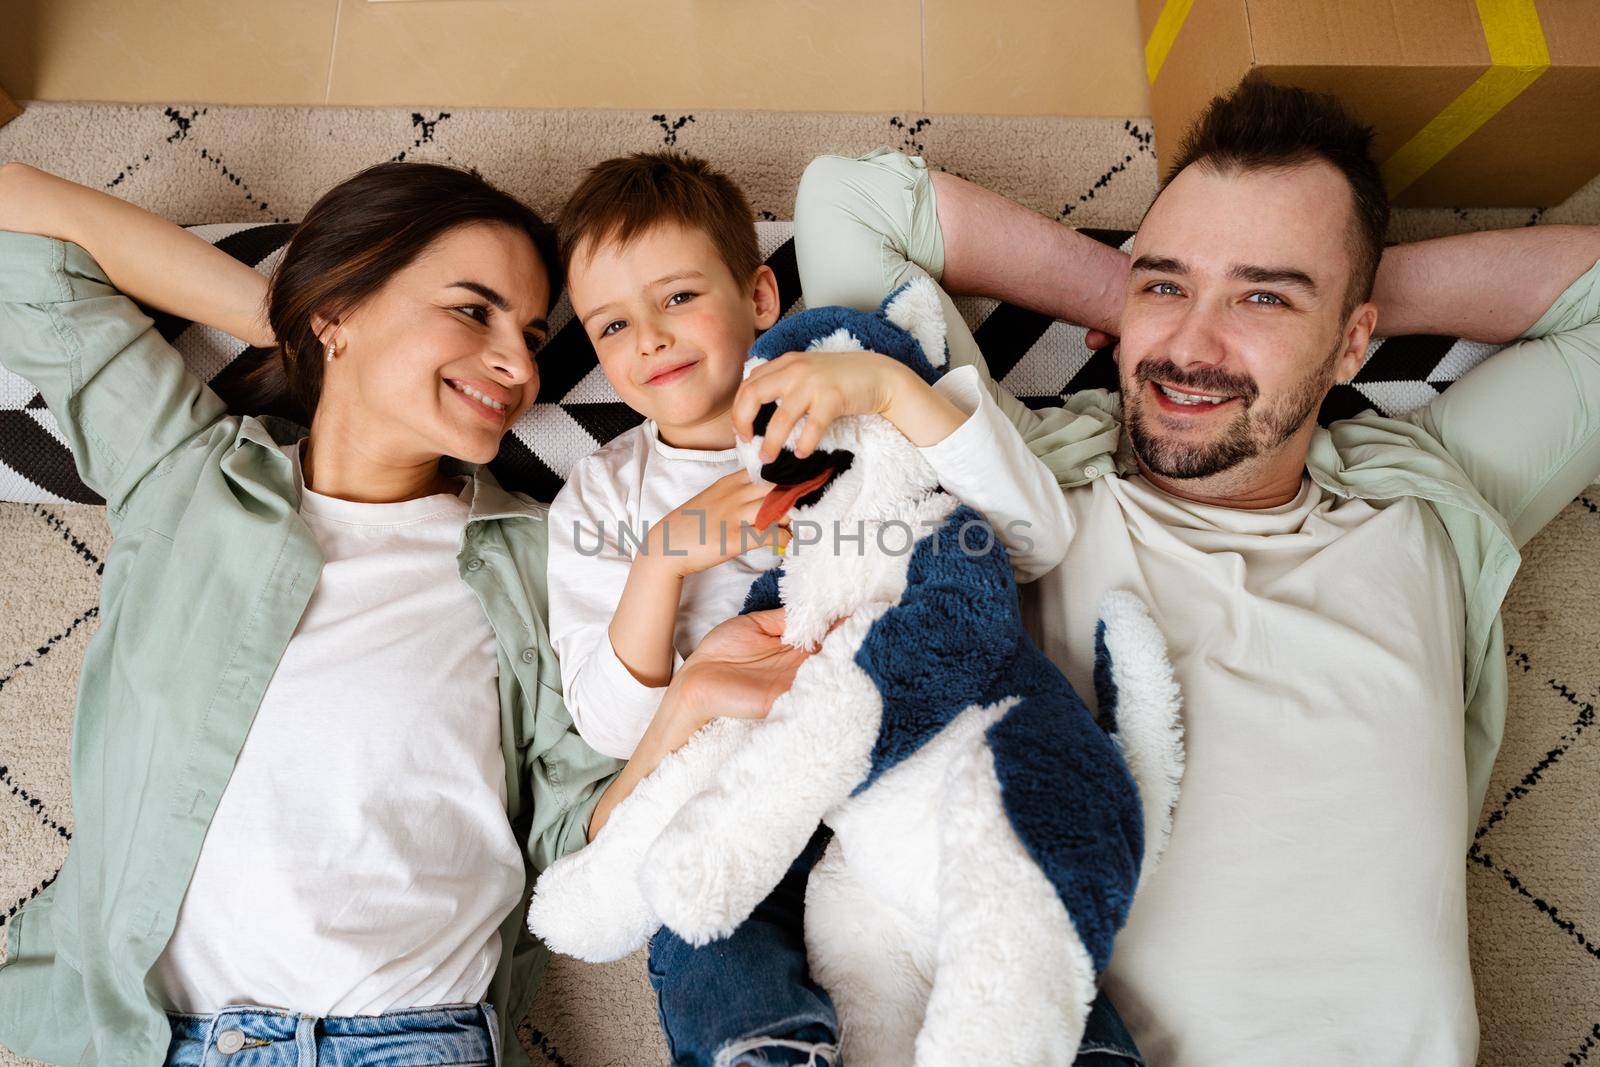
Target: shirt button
x,y
474,565
230,1041
1091,471
529,655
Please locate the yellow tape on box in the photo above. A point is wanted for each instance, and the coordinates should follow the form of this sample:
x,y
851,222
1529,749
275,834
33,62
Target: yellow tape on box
x,y
1518,56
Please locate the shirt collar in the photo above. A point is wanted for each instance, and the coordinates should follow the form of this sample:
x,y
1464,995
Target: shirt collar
x,y
492,501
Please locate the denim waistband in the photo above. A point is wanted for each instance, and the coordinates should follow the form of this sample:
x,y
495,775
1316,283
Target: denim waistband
x,y
253,1036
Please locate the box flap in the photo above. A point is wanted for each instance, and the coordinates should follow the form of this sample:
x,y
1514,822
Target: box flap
x,y
1367,33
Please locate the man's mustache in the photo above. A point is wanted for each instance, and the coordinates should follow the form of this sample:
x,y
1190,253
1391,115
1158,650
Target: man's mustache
x,y
1207,380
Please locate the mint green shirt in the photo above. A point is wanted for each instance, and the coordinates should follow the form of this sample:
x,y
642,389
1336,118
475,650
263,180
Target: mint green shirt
x,y
206,580
1496,456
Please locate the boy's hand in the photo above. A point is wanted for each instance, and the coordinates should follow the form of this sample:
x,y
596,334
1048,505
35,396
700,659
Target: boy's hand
x,y
823,386
710,526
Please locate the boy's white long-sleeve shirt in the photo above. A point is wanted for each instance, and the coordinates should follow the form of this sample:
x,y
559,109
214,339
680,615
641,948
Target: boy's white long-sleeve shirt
x,y
601,516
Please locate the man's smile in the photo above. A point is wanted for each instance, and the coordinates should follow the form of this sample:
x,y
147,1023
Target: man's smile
x,y
1170,398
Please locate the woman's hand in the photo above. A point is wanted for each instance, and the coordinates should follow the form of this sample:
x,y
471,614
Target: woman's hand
x,y
823,386
739,669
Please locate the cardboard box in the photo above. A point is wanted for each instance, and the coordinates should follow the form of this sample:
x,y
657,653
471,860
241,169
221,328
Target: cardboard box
x,y
8,108
1474,102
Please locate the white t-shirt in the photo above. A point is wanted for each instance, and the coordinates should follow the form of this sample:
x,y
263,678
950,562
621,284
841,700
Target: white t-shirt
x,y
637,478
1311,908
360,859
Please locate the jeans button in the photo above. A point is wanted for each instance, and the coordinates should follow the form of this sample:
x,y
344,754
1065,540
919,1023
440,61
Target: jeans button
x,y
230,1041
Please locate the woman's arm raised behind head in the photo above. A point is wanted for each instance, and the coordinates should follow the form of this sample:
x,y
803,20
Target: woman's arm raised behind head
x,y
144,255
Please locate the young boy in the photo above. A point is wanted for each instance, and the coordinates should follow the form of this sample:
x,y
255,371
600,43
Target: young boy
x,y
648,545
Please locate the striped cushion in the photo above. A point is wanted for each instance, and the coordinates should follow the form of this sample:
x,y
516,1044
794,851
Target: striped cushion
x,y
1035,358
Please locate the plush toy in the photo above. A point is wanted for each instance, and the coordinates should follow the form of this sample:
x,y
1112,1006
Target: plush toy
x,y
988,834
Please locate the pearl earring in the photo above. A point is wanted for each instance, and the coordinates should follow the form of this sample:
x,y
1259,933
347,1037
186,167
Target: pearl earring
x,y
331,351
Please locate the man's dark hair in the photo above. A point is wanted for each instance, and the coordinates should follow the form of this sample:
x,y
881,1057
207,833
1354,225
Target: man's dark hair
x,y
1261,126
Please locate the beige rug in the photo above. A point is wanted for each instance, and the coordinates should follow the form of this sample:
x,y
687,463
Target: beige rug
x,y
1534,891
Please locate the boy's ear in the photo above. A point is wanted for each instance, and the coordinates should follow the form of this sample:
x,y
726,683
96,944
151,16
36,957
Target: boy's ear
x,y
767,306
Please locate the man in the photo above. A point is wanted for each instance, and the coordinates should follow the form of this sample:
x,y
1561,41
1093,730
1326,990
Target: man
x,y
1330,595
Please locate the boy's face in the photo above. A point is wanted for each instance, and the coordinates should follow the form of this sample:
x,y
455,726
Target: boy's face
x,y
672,327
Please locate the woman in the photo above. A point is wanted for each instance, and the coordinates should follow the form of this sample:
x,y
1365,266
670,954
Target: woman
x,y
319,752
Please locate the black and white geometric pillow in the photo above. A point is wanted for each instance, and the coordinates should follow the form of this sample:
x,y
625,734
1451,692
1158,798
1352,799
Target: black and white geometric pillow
x,y
1034,357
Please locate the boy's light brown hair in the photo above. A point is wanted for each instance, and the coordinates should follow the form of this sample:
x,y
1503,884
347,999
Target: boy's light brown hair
x,y
622,198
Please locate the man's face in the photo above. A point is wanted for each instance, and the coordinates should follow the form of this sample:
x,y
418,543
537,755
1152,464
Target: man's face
x,y
670,324
1234,327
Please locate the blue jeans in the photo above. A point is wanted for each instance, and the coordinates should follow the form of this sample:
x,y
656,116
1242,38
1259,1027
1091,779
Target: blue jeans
x,y
458,1034
748,1000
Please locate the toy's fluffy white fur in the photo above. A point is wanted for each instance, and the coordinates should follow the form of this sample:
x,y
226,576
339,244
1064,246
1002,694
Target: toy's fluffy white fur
x,y
939,938
589,905
1149,727
730,845
1013,981
917,310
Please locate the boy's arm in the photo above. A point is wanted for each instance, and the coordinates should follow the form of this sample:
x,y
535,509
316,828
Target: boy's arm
x,y
142,254
614,605
863,227
589,568
700,533
985,463
977,453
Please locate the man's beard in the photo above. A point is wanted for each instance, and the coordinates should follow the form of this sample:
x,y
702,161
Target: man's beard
x,y
1251,433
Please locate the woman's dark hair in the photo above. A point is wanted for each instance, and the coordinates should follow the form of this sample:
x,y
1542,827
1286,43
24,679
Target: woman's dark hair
x,y
1261,126
357,236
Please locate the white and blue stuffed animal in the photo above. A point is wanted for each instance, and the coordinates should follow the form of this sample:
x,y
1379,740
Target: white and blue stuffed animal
x,y
988,834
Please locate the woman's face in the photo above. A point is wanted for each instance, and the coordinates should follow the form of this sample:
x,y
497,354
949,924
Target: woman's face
x,y
439,362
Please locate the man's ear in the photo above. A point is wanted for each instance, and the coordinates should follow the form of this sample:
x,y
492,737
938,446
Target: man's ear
x,y
1357,336
765,297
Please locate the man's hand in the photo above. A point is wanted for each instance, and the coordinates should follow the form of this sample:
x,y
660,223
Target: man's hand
x,y
1095,340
